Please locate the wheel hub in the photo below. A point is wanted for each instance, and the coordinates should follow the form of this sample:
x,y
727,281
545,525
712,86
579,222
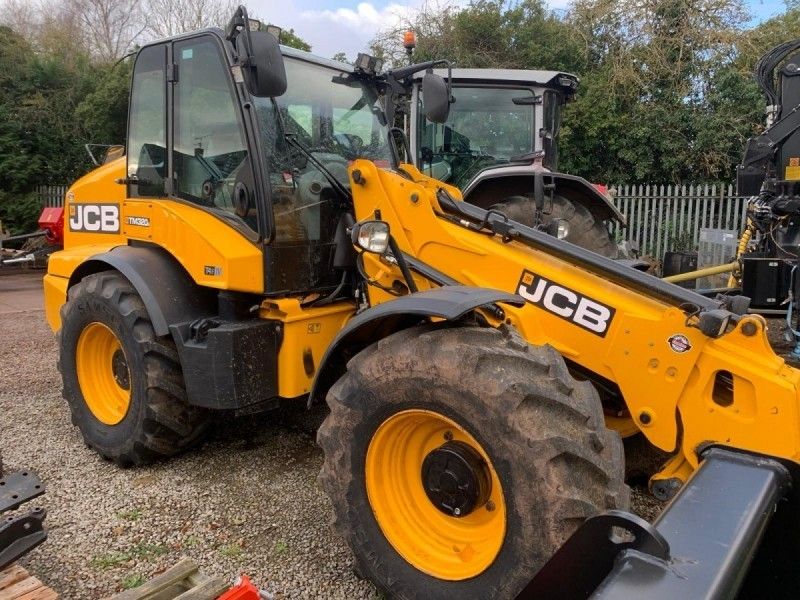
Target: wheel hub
x,y
119,366
456,479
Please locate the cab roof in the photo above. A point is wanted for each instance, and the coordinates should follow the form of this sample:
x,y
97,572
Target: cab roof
x,y
552,79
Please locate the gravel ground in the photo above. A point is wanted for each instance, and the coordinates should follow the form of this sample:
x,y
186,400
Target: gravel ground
x,y
247,501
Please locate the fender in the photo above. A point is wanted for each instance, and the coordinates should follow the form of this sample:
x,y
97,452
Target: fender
x,y
448,302
492,184
168,292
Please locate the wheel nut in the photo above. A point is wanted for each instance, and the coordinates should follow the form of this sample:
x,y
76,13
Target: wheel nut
x,y
490,506
448,435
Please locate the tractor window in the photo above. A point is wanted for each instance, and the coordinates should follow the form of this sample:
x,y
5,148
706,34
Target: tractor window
x,y
147,140
337,119
486,127
210,158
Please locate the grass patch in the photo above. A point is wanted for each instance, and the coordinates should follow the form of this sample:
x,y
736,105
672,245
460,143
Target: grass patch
x,y
130,515
115,559
231,550
281,546
191,541
132,581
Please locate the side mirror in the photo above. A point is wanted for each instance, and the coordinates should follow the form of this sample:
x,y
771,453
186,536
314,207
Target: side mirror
x,y
436,97
263,70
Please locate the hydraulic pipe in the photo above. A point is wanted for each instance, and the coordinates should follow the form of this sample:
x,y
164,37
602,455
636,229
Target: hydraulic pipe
x,y
727,268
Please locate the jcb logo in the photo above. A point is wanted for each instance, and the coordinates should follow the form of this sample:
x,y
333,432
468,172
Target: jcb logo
x,y
563,302
96,218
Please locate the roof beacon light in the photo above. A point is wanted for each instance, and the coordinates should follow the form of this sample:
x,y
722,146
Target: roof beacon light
x,y
409,41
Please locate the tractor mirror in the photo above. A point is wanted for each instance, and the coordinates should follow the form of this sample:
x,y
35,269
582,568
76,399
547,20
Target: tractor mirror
x,y
436,97
264,73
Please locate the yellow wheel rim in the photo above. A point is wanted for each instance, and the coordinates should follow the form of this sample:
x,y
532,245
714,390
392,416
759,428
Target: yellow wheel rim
x,y
444,546
103,373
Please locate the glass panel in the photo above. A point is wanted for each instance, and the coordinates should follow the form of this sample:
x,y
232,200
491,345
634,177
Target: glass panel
x,y
552,101
338,119
210,155
147,140
485,128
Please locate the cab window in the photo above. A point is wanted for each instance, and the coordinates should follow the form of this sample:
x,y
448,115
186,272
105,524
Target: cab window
x,y
210,159
147,140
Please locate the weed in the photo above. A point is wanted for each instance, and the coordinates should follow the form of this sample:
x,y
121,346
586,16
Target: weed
x,y
231,550
130,515
115,559
132,581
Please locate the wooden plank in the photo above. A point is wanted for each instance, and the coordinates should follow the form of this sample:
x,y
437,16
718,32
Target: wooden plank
x,y
43,593
167,579
12,574
208,590
21,587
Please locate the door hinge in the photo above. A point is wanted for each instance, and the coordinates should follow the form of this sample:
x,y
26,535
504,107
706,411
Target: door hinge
x,y
172,73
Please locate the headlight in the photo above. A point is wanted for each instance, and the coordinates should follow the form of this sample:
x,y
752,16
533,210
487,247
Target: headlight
x,y
372,236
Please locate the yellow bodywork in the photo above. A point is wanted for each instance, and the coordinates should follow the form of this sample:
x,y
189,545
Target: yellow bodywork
x,y
670,394
732,390
196,238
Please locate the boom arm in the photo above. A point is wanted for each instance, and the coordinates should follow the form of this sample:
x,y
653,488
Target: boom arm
x,y
682,387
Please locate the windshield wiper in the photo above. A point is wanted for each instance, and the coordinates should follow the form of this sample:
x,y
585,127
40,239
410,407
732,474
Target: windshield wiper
x,y
335,183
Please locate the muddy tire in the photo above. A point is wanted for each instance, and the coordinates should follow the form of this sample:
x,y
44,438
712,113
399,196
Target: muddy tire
x,y
540,433
133,409
584,230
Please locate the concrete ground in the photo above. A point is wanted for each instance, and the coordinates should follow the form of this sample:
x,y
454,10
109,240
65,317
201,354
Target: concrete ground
x,y
21,291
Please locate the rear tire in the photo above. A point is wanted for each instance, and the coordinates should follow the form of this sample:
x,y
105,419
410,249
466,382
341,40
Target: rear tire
x,y
584,230
541,430
154,421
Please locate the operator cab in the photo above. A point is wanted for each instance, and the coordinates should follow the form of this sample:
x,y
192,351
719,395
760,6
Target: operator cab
x,y
263,164
498,117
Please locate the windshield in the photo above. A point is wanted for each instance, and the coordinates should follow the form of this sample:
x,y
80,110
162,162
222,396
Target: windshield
x,y
337,119
485,127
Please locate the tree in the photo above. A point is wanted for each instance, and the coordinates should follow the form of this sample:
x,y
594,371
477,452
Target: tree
x,y
289,38
166,18
111,27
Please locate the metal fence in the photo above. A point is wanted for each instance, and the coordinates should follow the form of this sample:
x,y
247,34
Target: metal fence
x,y
52,195
670,217
660,218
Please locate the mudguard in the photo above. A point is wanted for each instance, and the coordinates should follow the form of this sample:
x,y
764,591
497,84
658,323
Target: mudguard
x,y
168,292
448,302
492,184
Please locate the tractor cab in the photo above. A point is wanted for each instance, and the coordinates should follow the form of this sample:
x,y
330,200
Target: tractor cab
x,y
498,117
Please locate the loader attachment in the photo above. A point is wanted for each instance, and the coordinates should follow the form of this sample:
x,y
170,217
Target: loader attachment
x,y
20,533
724,535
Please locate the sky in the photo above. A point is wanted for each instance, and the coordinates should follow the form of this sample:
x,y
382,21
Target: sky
x,y
332,26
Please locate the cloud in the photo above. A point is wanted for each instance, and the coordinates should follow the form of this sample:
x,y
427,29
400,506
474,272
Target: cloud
x,y
347,29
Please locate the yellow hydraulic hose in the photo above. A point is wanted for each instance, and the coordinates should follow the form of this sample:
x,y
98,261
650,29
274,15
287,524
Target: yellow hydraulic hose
x,y
740,249
703,272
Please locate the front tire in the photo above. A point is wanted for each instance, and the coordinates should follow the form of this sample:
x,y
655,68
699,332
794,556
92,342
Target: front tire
x,y
123,384
535,433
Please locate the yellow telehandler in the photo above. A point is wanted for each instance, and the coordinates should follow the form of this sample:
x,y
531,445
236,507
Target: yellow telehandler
x,y
260,241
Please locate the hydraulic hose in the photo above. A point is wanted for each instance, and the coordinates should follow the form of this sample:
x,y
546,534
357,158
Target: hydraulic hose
x,y
703,272
741,248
